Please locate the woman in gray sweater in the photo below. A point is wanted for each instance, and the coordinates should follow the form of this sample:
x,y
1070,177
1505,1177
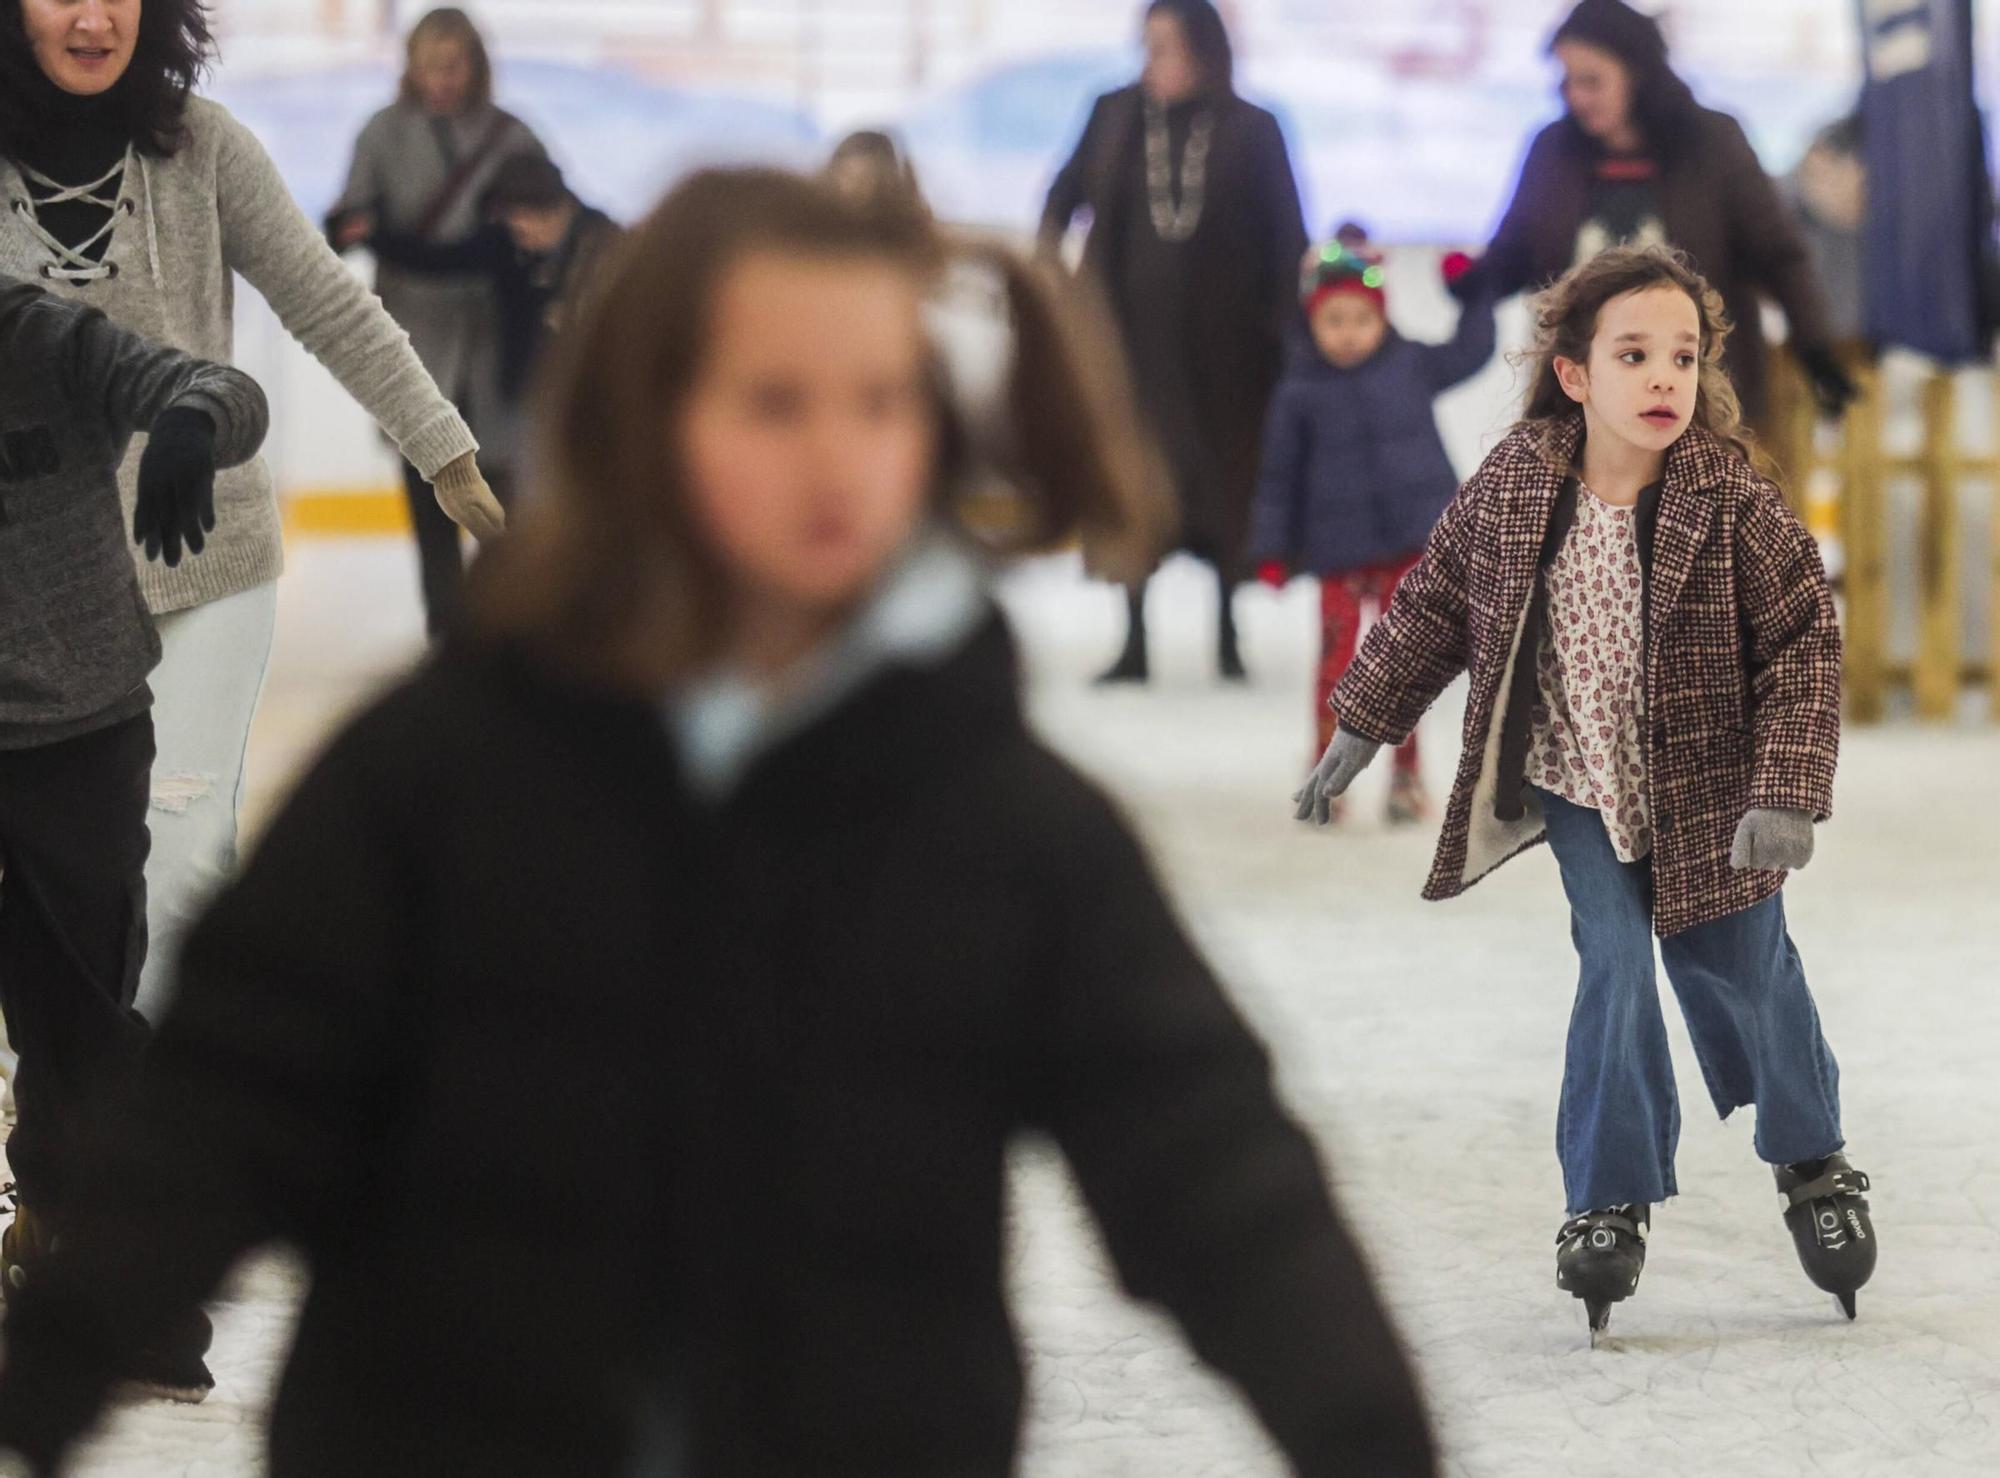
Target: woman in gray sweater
x,y
421,167
122,190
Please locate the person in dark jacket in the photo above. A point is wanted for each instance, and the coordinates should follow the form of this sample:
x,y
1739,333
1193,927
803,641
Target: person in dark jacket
x,y
791,921
1637,159
1195,238
76,728
1355,472
540,248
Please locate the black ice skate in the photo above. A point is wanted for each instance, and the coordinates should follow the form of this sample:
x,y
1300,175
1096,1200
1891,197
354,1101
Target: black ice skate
x,y
171,1368
1827,1209
1599,1257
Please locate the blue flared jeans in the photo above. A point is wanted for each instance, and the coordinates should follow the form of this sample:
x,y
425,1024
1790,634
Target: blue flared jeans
x,y
1743,993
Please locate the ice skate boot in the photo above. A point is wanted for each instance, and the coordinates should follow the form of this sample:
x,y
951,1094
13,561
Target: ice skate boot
x,y
24,1246
1826,1207
1408,802
1599,1257
170,1368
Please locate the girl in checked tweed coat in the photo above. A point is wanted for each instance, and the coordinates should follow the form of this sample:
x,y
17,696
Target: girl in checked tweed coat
x,y
1655,691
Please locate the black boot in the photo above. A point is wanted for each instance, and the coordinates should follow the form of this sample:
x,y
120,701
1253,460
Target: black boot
x,y
1131,666
1228,658
1826,1206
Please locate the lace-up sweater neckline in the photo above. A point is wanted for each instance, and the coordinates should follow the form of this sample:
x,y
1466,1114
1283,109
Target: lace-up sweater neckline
x,y
73,168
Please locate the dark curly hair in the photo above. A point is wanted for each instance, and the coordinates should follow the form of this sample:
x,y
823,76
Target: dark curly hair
x,y
173,51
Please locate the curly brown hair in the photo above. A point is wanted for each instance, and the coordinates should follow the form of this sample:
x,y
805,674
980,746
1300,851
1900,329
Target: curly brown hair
x,y
1566,317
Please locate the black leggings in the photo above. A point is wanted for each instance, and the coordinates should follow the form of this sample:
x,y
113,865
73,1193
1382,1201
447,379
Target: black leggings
x,y
73,845
440,556
440,551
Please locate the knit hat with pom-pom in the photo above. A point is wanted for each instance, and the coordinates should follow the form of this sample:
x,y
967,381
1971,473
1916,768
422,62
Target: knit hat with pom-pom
x,y
1342,267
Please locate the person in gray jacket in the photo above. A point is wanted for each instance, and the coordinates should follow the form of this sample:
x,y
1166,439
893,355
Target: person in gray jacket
x,y
421,168
76,729
122,189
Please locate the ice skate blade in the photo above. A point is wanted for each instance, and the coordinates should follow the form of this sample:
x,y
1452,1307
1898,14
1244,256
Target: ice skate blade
x,y
1599,1314
1846,1302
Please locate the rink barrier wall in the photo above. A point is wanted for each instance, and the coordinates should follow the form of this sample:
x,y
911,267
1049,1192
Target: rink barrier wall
x,y
1902,517
346,513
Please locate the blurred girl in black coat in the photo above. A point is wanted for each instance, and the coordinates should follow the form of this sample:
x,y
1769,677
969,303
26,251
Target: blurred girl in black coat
x,y
630,1015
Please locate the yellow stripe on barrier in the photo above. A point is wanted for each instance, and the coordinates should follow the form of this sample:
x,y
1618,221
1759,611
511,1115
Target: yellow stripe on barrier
x,y
346,513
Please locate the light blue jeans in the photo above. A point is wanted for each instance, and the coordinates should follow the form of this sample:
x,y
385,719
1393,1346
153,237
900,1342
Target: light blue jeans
x,y
1743,993
205,692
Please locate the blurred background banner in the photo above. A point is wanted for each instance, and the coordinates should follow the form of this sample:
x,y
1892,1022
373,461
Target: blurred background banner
x,y
1930,222
1412,115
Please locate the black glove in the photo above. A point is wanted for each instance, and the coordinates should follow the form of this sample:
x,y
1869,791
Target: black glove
x,y
1832,388
176,486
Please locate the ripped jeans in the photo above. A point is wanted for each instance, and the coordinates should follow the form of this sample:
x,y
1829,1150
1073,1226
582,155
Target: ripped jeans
x,y
205,694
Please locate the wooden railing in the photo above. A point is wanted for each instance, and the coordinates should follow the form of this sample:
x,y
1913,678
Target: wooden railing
x,y
1842,481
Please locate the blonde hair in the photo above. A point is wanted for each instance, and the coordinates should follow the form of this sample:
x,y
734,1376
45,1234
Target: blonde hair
x,y
448,23
606,575
1566,316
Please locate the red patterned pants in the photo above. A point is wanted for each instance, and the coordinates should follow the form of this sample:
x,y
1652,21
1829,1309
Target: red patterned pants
x,y
1341,599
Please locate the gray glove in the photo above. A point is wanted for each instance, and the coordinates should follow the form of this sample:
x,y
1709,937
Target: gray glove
x,y
1771,840
1347,756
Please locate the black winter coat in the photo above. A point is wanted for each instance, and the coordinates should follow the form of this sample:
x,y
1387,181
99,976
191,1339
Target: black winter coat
x,y
1226,339
1716,203
583,1097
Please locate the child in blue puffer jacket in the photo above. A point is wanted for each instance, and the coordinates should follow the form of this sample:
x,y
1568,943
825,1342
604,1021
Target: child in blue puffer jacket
x,y
1355,472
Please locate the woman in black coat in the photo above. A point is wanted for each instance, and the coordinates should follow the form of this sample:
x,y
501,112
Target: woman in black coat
x,y
1196,236
630,1015
1636,158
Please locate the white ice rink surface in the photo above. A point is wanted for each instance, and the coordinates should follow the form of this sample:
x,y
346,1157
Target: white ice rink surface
x,y
1422,1043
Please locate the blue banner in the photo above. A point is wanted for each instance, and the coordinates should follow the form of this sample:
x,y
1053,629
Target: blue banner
x,y
1929,235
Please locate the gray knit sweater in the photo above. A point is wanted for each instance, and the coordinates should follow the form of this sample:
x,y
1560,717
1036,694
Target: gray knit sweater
x,y
76,641
184,225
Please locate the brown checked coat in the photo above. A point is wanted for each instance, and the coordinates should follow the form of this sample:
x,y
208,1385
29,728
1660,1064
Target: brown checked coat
x,y
1742,662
